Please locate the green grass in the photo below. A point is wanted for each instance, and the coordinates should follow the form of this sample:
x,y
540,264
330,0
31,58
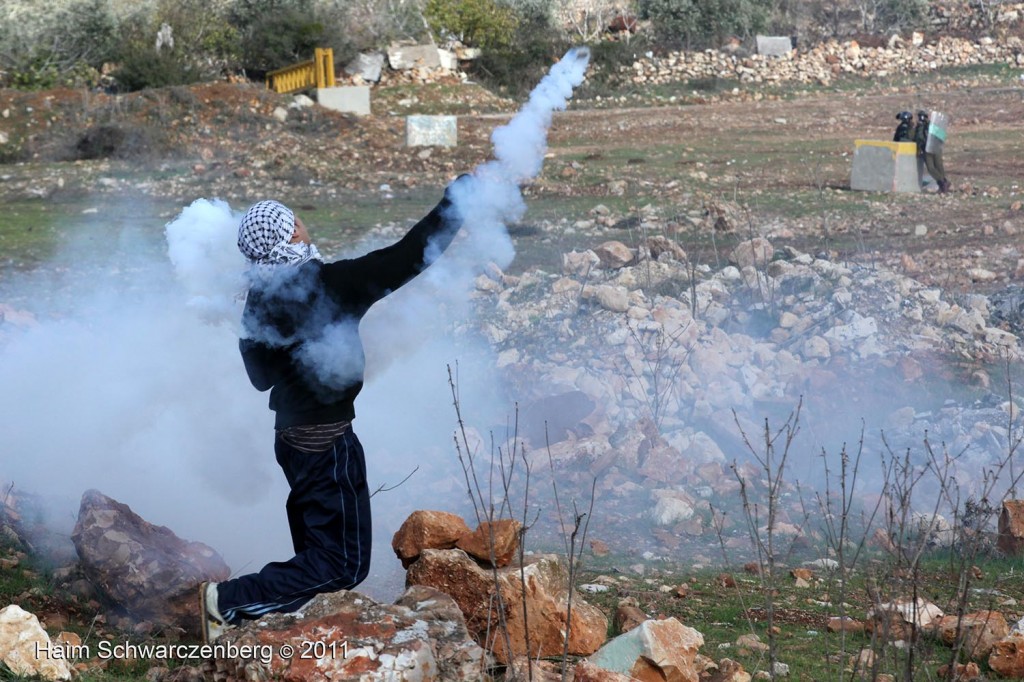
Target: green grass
x,y
723,614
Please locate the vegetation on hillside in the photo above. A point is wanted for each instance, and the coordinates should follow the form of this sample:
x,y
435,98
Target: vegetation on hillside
x,y
154,43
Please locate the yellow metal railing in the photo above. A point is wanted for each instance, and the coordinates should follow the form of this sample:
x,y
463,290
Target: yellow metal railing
x,y
316,73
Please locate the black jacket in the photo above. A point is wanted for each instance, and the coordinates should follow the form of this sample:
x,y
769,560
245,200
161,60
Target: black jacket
x,y
904,132
301,328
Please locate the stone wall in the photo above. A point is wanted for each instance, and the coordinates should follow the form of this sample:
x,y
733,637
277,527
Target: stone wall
x,y
825,61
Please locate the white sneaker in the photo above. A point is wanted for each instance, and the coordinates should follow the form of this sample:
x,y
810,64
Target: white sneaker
x,y
212,623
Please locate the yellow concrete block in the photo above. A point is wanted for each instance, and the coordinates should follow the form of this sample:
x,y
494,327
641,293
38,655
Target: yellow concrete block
x,y
895,147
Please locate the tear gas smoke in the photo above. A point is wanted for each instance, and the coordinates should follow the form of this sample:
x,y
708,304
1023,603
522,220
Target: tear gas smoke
x,y
146,399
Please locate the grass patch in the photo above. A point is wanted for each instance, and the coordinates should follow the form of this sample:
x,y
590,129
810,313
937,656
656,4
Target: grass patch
x,y
723,614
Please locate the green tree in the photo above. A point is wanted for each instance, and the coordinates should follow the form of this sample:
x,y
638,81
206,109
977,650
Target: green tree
x,y
476,23
179,42
699,23
64,45
276,33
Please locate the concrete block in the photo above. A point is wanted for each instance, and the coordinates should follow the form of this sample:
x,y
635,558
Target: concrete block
x,y
367,66
402,57
774,46
447,59
431,131
880,166
351,99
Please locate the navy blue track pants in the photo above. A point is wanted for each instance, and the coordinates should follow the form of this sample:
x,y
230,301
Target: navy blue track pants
x,y
329,517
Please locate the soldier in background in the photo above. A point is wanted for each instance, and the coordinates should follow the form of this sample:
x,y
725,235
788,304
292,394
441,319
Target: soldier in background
x,y
933,158
905,130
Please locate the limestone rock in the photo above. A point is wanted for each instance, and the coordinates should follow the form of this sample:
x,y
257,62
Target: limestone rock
x,y
367,66
969,672
501,535
1011,528
628,617
899,619
615,299
844,623
656,650
348,637
660,244
981,630
586,671
406,57
579,262
547,590
756,252
614,255
425,529
24,643
1007,657
146,569
729,671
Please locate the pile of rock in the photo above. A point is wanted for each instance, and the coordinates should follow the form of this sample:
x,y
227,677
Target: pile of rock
x,y
405,64
975,16
644,333
511,610
827,60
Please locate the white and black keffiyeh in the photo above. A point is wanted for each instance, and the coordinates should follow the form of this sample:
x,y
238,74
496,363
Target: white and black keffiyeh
x,y
265,234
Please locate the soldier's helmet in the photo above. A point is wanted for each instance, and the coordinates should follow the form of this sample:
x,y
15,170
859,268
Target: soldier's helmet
x,y
905,116
922,114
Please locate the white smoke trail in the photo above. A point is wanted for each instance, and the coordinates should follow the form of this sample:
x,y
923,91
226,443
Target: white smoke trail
x,y
493,199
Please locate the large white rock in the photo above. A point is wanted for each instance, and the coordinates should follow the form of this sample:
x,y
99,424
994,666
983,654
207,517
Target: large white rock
x,y
25,647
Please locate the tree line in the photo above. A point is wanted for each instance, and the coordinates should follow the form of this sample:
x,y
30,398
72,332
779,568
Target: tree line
x,y
153,43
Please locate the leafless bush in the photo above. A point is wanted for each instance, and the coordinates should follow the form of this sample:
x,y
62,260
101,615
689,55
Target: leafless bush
x,y
508,469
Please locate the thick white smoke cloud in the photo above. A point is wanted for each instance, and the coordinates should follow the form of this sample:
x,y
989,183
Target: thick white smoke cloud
x,y
144,395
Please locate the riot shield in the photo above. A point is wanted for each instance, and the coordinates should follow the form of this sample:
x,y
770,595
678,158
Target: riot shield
x,y
936,133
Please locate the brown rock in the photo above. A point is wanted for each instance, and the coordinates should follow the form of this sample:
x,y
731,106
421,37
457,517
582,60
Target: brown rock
x,y
980,631
961,672
348,636
844,624
501,535
751,643
476,589
599,548
881,540
863,661
729,671
901,618
725,580
614,255
682,591
660,244
802,574
427,530
146,569
628,617
1011,528
525,668
586,671
1007,657
656,651
757,252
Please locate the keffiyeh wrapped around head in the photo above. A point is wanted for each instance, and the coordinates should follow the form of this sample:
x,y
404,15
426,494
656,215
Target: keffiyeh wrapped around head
x,y
265,234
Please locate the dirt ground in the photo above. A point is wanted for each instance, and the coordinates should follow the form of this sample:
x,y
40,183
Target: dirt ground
x,y
781,164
